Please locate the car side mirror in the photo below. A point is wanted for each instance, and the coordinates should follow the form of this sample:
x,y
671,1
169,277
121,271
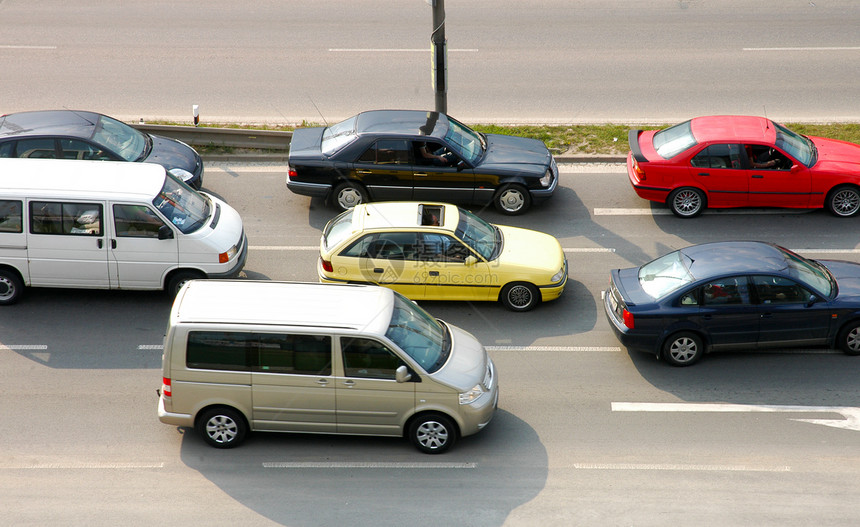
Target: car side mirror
x,y
460,165
470,261
811,300
165,233
795,169
401,374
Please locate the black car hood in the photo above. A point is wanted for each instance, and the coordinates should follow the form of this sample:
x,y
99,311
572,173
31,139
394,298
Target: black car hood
x,y
171,153
519,154
847,275
305,143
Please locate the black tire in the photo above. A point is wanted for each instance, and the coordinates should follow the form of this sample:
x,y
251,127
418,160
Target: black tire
x,y
687,202
347,195
222,427
520,296
11,287
512,199
844,201
683,349
178,280
432,433
849,338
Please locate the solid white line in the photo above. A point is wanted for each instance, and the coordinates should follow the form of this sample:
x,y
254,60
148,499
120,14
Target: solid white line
x,y
721,408
674,466
397,50
553,348
826,48
369,464
25,346
588,250
14,46
151,347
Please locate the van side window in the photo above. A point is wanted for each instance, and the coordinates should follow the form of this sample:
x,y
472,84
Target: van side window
x,y
136,221
369,359
11,218
48,217
219,350
297,354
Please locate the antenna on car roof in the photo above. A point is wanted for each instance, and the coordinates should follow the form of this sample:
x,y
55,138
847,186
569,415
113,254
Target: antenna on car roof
x,y
766,120
79,115
318,110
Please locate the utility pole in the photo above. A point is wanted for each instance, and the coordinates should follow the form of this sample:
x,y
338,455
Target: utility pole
x,y
439,54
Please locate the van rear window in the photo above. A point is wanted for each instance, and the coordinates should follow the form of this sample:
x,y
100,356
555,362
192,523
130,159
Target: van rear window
x,y
259,352
11,219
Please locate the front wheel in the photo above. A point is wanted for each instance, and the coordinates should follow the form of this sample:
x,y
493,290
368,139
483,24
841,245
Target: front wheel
x,y
844,201
687,202
849,338
348,194
683,349
11,287
432,433
222,427
512,199
520,296
178,280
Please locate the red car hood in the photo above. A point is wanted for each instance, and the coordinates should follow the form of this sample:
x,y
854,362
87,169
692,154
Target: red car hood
x,y
835,155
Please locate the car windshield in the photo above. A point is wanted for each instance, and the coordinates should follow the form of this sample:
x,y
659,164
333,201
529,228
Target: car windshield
x,y
183,206
665,274
128,143
467,142
811,272
338,135
421,336
799,147
482,237
338,229
674,140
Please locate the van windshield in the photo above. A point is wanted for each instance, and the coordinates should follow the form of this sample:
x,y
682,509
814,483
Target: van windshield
x,y
421,336
183,206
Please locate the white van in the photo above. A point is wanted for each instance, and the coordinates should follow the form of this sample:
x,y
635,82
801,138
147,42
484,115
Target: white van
x,y
110,225
320,358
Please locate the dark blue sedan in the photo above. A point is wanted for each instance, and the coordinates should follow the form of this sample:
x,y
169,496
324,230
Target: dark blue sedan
x,y
734,296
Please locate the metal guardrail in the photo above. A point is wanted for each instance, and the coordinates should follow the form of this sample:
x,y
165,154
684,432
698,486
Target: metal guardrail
x,y
225,137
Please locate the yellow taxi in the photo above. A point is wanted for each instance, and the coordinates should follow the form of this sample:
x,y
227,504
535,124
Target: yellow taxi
x,y
438,251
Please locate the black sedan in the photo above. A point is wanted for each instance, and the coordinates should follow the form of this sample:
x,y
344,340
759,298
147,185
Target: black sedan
x,y
424,156
734,296
70,134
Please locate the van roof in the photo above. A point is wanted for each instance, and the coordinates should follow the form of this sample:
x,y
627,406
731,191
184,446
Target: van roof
x,y
344,306
34,178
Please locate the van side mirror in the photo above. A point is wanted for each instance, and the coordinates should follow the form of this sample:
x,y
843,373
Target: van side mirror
x,y
165,233
470,261
401,374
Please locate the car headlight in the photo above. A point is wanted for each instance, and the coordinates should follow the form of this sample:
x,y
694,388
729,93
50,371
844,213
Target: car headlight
x,y
225,257
547,178
558,276
472,395
181,173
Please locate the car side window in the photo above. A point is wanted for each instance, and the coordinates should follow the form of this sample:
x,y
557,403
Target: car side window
x,y
368,359
767,158
442,248
65,218
691,298
11,216
779,290
386,245
36,148
77,149
386,152
726,291
136,221
294,354
719,156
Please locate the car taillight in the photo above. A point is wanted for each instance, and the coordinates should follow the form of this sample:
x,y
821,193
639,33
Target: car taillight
x,y
639,172
166,388
627,316
292,173
326,266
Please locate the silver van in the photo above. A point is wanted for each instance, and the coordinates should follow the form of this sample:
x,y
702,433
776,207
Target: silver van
x,y
246,355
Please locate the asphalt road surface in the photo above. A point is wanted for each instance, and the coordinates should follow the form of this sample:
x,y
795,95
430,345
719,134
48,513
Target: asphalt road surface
x,y
587,433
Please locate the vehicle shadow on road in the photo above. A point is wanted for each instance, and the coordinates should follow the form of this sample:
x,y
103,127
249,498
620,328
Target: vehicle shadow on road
x,y
312,480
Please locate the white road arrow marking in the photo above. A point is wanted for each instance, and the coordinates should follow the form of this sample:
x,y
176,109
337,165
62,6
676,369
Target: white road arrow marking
x,y
851,414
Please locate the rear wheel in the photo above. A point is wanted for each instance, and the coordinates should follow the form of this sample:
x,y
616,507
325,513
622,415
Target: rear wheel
x,y
687,202
222,427
683,349
11,287
844,201
348,194
849,338
512,199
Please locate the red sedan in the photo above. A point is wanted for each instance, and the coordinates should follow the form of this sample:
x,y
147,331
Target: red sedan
x,y
742,161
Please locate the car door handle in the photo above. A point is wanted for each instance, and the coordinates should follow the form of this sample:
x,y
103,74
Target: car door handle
x,y
419,174
704,174
758,176
100,243
322,382
349,384
707,317
113,243
377,269
364,172
433,273
766,315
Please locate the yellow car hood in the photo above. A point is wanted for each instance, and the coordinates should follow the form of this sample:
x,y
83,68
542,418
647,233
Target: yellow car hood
x,y
524,248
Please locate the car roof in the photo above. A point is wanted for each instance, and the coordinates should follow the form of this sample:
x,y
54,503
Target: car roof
x,y
71,123
364,308
403,215
63,178
402,122
740,128
722,258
